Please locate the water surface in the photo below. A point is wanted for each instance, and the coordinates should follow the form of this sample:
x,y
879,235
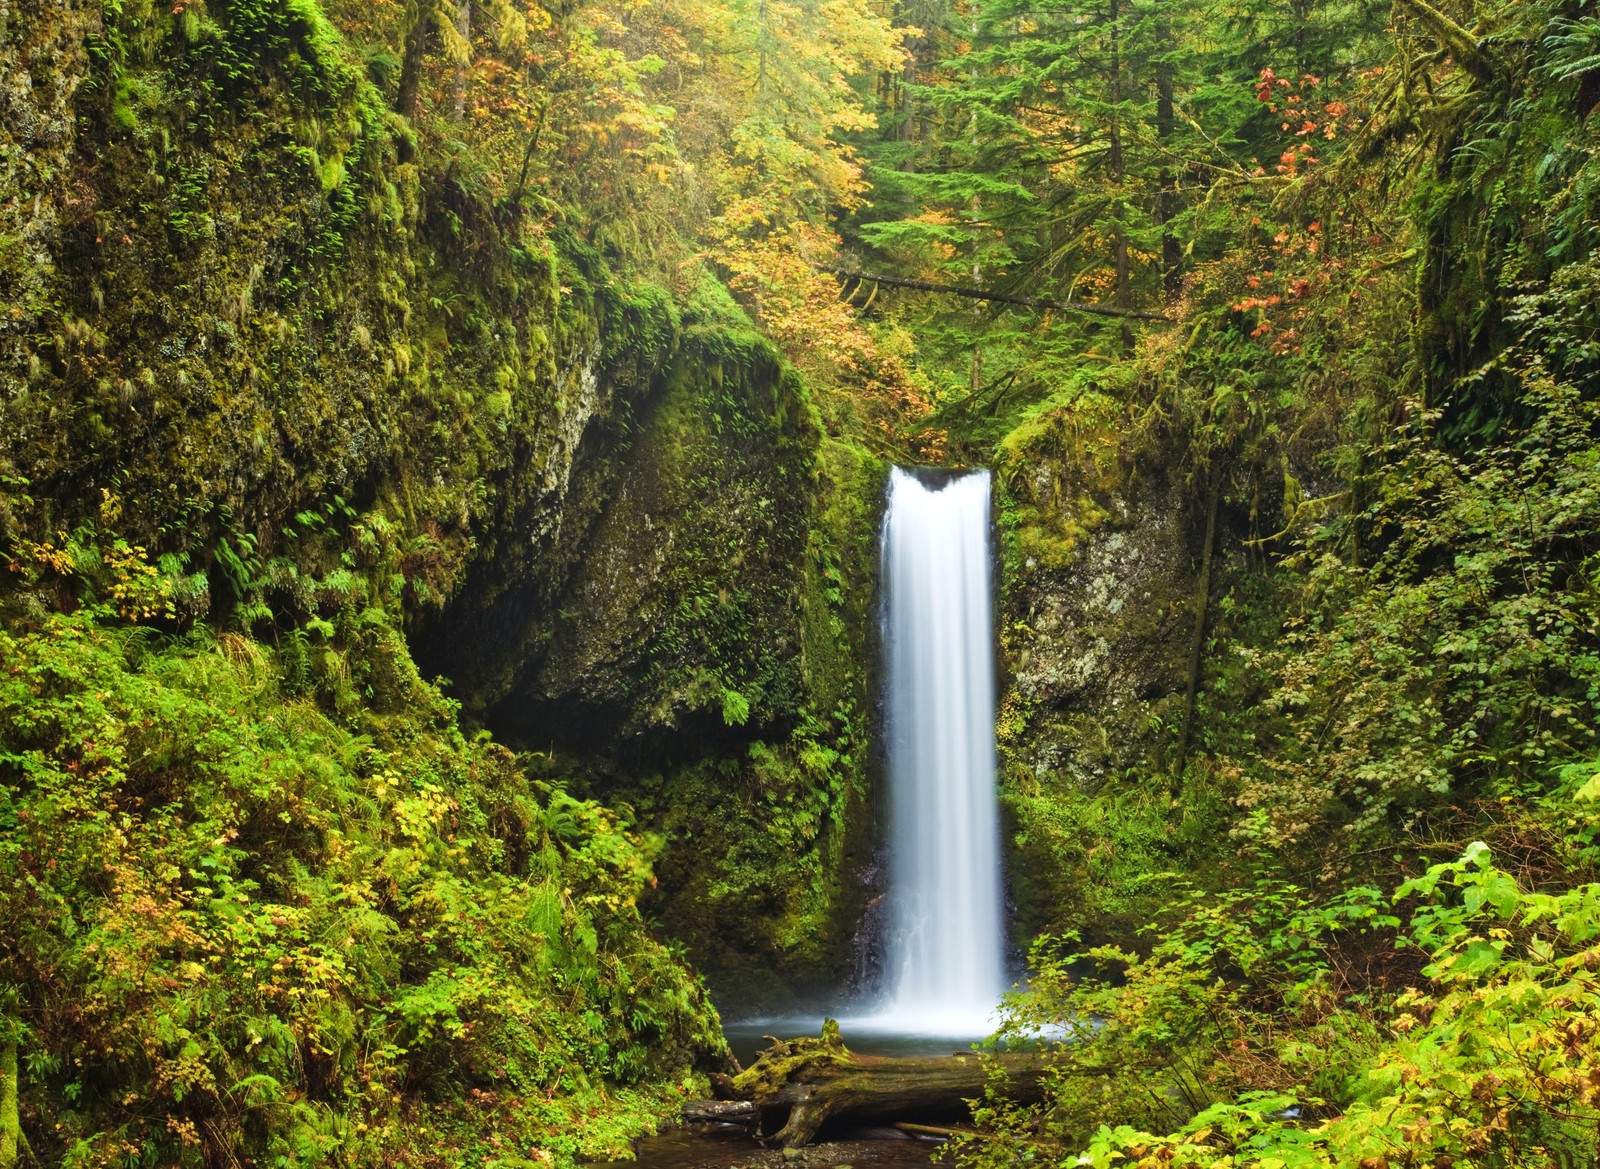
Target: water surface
x,y
719,1147
864,1037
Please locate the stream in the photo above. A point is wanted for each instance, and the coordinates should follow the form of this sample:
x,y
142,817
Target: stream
x,y
729,1147
725,1147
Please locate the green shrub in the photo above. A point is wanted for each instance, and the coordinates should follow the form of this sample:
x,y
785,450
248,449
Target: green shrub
x,y
239,928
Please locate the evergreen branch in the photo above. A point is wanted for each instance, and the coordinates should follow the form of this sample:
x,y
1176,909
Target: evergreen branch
x,y
998,297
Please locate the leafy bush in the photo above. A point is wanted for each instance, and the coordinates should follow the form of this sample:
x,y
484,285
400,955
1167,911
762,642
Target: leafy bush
x,y
1270,1030
1456,650
238,928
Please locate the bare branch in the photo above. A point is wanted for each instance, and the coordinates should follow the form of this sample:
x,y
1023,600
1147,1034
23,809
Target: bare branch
x,y
998,297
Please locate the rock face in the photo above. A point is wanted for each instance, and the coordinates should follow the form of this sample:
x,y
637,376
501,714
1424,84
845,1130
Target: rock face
x,y
1099,575
684,609
231,302
1098,647
249,332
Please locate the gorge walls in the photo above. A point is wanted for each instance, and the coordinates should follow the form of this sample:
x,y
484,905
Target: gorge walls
x,y
1102,547
311,373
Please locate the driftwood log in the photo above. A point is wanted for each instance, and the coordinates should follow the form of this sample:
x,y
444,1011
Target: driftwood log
x,y
806,1082
720,1112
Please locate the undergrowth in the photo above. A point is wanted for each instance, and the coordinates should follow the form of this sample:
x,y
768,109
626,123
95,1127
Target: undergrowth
x,y
243,926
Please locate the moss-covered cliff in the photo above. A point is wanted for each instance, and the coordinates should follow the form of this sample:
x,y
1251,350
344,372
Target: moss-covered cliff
x,y
231,301
706,661
283,394
1102,533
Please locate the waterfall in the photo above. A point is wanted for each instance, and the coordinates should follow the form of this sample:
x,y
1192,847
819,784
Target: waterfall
x,y
945,963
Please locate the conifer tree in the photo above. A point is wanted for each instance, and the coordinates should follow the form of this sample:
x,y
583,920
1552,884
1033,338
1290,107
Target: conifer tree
x,y
1065,149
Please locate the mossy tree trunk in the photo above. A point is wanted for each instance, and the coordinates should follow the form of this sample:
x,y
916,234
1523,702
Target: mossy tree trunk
x,y
458,101
1197,641
808,1082
408,101
1167,203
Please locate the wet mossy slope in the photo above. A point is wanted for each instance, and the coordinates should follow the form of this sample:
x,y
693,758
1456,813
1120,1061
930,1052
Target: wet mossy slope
x,y
234,301
706,662
707,666
281,389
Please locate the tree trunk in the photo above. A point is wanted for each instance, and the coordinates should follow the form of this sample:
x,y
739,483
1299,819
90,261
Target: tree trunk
x,y
408,102
1100,310
1118,167
975,379
1197,641
807,1082
1167,197
908,104
458,107
761,48
720,1112
916,50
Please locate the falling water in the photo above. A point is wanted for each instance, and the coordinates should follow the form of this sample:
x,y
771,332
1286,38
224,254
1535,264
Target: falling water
x,y
945,969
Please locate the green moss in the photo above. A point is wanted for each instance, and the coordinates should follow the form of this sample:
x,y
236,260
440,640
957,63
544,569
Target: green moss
x,y
735,555
840,579
778,1063
1057,468
641,320
311,938
265,310
321,382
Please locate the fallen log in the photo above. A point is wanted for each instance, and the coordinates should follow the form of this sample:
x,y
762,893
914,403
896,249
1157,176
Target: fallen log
x,y
807,1082
1099,310
720,1112
936,1130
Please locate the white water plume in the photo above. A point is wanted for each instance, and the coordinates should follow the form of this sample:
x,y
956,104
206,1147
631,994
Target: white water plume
x,y
945,962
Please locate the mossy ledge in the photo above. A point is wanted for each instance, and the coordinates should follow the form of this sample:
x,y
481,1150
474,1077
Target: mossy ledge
x,y
704,661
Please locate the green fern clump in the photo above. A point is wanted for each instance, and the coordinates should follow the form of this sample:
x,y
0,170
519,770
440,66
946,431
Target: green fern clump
x,y
1470,1041
238,928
